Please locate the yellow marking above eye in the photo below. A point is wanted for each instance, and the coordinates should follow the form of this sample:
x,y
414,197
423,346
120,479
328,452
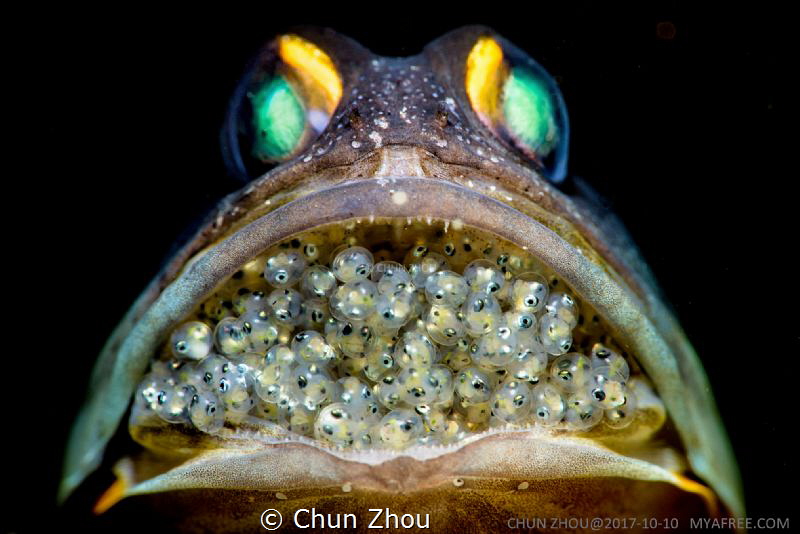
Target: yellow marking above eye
x,y
311,63
486,71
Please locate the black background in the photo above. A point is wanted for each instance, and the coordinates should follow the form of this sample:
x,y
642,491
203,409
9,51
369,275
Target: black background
x,y
679,132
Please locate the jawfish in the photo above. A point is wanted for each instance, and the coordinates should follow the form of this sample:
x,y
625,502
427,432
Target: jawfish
x,y
402,310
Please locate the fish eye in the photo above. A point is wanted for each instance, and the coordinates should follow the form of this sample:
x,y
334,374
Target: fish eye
x,y
519,102
283,103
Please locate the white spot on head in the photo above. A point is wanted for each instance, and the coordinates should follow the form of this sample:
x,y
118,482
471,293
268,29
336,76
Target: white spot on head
x,y
355,144
347,487
458,224
376,138
381,122
399,197
307,158
523,486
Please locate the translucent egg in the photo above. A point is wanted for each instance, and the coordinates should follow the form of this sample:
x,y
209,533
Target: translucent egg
x,y
445,384
234,390
443,325
352,338
266,410
273,382
511,401
365,435
414,350
285,304
334,425
310,346
446,288
354,301
250,301
524,324
394,310
434,419
623,415
230,337
249,364
529,366
477,416
419,386
348,366
217,307
555,335
456,358
496,348
261,329
380,359
357,396
212,368
421,268
528,292
146,397
191,341
318,282
280,354
311,385
300,419
388,391
571,372
548,404
603,357
480,313
483,275
606,389
284,269
581,413
473,385
314,313
390,276
400,427
206,411
352,263
416,253
172,402
311,251
565,307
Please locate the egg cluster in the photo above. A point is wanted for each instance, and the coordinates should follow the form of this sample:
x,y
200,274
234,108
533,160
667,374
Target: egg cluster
x,y
359,354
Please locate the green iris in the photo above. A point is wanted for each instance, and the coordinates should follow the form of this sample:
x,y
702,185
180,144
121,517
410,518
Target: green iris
x,y
528,110
279,120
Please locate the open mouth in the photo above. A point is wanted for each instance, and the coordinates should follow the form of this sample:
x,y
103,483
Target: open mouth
x,y
391,334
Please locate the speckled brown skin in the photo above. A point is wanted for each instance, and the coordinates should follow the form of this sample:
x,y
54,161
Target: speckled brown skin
x,y
482,184
473,508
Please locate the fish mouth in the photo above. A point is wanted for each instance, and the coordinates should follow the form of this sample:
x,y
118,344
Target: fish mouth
x,y
253,457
